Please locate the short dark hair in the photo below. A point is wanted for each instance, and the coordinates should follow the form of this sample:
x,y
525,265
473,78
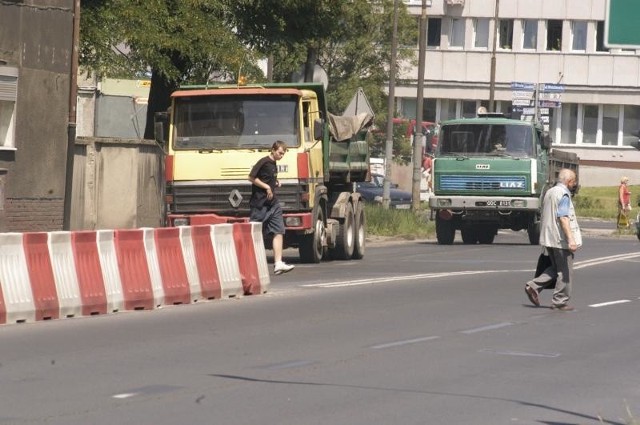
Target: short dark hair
x,y
279,144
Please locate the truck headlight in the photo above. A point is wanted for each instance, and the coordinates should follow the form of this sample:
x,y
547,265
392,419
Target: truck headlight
x,y
519,203
444,202
294,221
181,221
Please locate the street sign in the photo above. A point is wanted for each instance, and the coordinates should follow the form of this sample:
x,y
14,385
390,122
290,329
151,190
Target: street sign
x,y
621,23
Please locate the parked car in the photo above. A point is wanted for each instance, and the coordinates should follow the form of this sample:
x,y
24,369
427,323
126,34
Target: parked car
x,y
372,193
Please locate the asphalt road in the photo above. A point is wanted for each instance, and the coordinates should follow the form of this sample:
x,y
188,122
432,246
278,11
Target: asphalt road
x,y
415,333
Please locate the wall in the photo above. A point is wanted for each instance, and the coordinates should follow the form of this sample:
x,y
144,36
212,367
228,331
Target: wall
x,y
117,184
36,38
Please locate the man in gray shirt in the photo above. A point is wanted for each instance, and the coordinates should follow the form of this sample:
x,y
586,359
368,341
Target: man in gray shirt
x,y
560,237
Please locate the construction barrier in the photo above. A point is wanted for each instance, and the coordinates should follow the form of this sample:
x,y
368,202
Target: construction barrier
x,y
70,274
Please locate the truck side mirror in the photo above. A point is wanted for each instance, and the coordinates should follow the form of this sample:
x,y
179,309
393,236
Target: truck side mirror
x,y
547,141
318,129
160,121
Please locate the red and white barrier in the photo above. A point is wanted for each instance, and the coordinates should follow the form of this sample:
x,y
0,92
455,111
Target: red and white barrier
x,y
68,274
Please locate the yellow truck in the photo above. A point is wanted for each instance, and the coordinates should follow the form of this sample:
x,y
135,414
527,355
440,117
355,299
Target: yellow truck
x,y
217,133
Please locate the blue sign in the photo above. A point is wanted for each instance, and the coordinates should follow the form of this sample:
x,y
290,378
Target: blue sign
x,y
552,88
522,86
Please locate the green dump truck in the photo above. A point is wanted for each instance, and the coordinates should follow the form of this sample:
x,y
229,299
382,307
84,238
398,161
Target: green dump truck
x,y
490,173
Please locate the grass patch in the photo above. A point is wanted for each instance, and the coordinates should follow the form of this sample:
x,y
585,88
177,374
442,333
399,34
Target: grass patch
x,y
602,202
590,202
407,224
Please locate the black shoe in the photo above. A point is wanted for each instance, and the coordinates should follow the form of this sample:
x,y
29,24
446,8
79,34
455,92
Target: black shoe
x,y
532,294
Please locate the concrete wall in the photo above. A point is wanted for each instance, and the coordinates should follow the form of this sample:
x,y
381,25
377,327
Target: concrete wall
x,y
36,37
117,184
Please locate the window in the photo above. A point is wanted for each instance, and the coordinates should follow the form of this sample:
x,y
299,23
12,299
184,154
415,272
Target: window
x,y
505,31
8,97
579,36
469,109
600,37
554,35
569,125
529,34
481,33
456,38
610,120
589,124
434,29
631,125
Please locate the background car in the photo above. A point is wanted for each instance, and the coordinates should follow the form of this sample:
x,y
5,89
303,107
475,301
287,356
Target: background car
x,y
372,193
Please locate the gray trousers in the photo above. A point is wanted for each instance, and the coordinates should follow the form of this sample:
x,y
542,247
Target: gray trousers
x,y
561,269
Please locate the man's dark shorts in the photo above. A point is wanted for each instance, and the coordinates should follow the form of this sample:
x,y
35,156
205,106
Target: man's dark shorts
x,y
271,219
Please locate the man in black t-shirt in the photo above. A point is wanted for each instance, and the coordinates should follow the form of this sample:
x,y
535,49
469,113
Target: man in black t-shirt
x,y
265,207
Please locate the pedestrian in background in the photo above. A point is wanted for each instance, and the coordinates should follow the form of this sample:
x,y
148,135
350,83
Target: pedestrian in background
x,y
560,237
427,163
264,205
624,203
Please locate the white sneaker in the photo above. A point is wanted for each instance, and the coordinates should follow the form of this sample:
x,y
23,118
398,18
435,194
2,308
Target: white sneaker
x,y
282,267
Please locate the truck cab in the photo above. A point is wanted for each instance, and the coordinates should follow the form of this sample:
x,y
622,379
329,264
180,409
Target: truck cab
x,y
489,173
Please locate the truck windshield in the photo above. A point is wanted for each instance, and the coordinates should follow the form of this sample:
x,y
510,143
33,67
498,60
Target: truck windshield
x,y
235,122
487,139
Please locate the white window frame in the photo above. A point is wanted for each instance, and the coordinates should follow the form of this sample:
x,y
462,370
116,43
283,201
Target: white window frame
x,y
8,97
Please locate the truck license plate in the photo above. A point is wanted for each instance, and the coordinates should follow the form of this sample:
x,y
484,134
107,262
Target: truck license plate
x,y
493,204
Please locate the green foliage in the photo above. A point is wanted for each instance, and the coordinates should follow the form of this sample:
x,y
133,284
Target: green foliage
x,y
599,202
406,224
402,144
182,40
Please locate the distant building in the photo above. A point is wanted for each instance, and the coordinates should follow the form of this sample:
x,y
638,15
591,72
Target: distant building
x,y
36,44
556,42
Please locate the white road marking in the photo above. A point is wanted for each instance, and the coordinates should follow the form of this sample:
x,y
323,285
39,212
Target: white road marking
x,y
372,281
521,353
487,328
605,260
405,342
125,395
610,303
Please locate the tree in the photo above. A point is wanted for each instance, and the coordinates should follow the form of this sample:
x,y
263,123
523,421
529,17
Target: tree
x,y
176,41
350,40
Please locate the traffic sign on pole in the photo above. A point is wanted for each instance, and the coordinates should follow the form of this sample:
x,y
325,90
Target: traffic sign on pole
x,y
621,23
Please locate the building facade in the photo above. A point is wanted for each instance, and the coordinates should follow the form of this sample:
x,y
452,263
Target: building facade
x,y
558,43
36,45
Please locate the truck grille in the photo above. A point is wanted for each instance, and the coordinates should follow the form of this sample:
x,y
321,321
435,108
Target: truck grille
x,y
220,199
492,183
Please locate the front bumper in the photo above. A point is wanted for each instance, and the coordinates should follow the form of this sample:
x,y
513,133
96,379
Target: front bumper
x,y
484,203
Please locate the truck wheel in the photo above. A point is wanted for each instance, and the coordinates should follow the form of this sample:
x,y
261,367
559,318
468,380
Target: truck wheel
x,y
312,246
487,235
469,235
361,233
445,232
533,230
346,236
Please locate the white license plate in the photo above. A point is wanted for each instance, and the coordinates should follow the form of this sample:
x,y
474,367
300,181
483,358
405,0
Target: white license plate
x,y
403,206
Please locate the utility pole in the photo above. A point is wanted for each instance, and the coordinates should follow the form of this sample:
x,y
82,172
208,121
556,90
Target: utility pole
x,y
386,188
492,83
417,134
71,125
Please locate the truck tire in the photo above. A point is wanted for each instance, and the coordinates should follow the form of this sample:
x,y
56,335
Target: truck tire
x,y
487,235
346,236
445,232
361,232
533,231
469,235
312,246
